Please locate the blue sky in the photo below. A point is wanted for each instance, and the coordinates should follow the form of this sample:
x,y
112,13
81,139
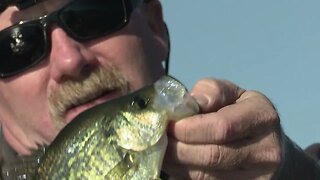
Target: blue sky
x,y
272,46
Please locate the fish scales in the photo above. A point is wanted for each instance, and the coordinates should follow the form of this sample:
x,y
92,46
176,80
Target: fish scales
x,y
124,138
121,139
89,155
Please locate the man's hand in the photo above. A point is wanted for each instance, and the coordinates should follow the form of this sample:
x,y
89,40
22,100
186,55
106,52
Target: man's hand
x,y
236,136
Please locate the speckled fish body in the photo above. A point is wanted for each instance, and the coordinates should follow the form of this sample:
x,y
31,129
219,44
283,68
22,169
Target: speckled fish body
x,y
121,139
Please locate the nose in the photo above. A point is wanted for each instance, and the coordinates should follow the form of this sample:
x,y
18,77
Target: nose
x,y
68,58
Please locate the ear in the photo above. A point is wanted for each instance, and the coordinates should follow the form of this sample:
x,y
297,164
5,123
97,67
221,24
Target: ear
x,y
152,10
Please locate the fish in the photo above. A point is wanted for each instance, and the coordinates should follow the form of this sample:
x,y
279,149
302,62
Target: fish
x,y
124,138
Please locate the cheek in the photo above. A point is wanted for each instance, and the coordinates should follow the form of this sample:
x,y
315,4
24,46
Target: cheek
x,y
127,54
133,56
5,17
134,50
24,98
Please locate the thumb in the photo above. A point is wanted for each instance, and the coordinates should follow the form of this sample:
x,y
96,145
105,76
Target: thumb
x,y
213,94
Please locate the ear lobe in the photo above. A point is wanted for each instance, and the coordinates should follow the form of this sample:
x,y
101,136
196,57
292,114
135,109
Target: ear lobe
x,y
152,10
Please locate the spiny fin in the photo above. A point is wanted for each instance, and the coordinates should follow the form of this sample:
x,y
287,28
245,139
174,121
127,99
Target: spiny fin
x,y
121,169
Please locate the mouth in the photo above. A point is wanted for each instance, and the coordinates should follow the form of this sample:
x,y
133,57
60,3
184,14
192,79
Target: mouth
x,y
75,110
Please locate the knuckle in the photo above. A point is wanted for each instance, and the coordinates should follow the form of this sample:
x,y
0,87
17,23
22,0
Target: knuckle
x,y
187,131
268,109
269,151
272,112
224,130
277,157
209,81
271,116
274,117
201,175
273,158
186,134
276,150
210,84
212,156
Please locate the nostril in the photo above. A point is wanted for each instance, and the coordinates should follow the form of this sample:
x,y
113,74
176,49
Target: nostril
x,y
70,59
87,69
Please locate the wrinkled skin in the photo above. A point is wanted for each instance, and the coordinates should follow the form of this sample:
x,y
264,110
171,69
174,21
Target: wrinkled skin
x,y
135,51
236,136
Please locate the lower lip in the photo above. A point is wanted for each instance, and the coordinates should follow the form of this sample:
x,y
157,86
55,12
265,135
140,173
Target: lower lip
x,y
73,112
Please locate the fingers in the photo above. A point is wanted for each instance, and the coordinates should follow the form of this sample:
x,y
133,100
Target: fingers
x,y
214,94
249,115
240,174
237,135
223,161
209,156
228,156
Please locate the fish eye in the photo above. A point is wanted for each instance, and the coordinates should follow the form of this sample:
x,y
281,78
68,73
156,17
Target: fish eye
x,y
142,103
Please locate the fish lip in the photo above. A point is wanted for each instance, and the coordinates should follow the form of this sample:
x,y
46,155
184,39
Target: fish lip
x,y
74,110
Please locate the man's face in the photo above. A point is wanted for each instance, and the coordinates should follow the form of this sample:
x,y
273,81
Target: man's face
x,y
74,76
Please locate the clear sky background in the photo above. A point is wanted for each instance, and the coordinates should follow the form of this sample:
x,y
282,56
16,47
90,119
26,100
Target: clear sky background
x,y
268,45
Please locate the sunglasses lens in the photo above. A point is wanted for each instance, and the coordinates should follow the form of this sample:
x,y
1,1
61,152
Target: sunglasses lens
x,y
24,45
90,19
20,47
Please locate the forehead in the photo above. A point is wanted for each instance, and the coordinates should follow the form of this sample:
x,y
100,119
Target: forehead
x,y
12,14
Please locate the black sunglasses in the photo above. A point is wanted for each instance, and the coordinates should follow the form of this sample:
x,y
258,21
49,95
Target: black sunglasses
x,y
26,43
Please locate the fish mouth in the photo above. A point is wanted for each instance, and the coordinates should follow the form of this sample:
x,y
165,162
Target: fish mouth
x,y
75,109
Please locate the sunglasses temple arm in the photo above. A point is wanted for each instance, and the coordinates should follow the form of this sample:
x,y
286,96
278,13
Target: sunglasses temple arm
x,y
167,61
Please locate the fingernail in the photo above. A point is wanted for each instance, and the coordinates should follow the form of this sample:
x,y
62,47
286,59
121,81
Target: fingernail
x,y
201,99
